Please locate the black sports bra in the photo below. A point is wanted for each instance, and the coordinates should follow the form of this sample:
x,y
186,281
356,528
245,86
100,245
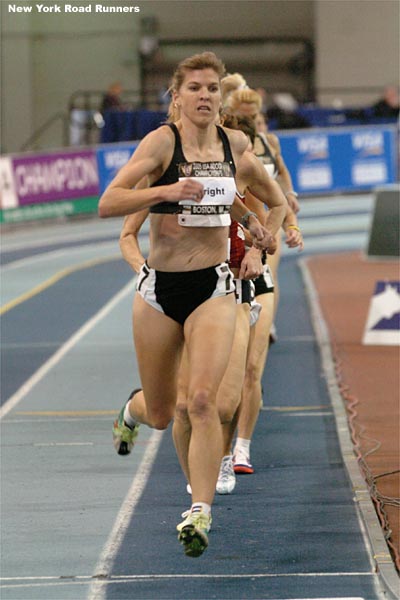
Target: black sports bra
x,y
267,157
179,165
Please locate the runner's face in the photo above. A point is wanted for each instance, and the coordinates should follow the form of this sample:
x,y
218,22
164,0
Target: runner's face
x,y
248,109
199,96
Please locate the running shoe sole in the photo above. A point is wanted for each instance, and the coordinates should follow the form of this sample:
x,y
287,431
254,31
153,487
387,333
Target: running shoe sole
x,y
243,469
193,540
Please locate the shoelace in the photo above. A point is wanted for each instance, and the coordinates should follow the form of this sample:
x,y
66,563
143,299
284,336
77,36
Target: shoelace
x,y
200,521
226,469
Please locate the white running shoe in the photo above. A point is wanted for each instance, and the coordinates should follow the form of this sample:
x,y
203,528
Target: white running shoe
x,y
226,478
242,464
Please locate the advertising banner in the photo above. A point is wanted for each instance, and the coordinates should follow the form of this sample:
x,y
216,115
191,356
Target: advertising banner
x,y
58,176
110,159
335,160
320,161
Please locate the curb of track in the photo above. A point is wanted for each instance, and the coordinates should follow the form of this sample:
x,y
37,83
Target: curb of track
x,y
380,556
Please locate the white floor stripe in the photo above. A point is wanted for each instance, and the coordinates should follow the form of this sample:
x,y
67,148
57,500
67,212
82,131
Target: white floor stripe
x,y
51,444
56,254
169,576
308,414
70,343
98,587
59,420
333,243
63,234
87,344
59,237
106,561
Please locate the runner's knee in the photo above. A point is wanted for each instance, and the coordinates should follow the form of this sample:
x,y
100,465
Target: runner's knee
x,y
201,404
181,411
160,419
227,409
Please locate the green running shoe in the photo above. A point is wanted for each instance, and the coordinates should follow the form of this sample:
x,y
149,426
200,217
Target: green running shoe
x,y
185,521
193,533
124,436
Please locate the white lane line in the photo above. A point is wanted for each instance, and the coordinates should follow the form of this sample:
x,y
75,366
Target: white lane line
x,y
57,254
85,579
94,231
314,414
54,279
11,246
293,413
58,420
291,409
157,576
98,589
346,241
63,444
87,344
62,351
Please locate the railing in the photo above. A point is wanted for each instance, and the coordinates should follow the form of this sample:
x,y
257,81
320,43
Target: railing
x,y
33,139
131,99
86,120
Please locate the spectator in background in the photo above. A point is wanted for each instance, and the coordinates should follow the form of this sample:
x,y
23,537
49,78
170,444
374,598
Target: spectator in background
x,y
388,106
112,98
284,111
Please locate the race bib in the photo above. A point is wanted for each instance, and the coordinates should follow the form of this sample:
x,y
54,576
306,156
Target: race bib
x,y
219,195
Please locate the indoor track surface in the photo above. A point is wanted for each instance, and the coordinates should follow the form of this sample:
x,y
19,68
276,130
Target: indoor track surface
x,y
81,522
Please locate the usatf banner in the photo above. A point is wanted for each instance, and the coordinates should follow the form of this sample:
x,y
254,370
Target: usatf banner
x,y
339,160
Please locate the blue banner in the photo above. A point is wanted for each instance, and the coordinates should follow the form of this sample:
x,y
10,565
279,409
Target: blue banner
x,y
351,159
110,159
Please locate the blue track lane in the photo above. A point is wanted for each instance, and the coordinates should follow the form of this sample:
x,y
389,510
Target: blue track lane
x,y
32,331
290,530
12,255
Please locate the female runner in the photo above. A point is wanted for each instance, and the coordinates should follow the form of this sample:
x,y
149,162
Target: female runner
x,y
247,102
185,292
